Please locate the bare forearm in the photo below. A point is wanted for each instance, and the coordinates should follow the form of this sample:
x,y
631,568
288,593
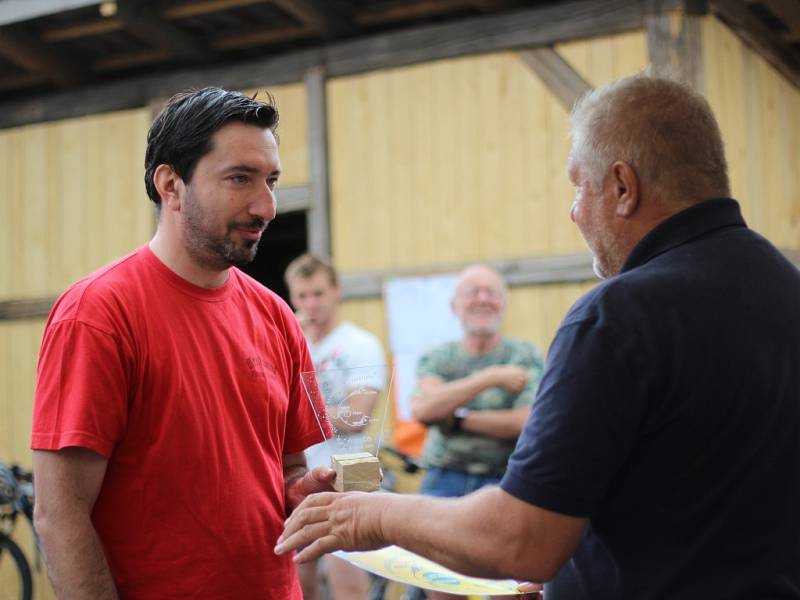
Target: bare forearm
x,y
437,403
75,560
299,481
293,484
445,529
517,539
502,424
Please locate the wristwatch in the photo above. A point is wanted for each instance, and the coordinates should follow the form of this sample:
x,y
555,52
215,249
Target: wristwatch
x,y
459,414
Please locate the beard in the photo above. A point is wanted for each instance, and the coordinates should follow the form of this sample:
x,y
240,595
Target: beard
x,y
216,251
486,329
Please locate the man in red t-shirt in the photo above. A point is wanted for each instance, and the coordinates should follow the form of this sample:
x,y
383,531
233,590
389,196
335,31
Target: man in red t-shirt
x,y
170,419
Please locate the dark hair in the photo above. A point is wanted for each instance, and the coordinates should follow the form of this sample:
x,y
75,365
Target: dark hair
x,y
181,134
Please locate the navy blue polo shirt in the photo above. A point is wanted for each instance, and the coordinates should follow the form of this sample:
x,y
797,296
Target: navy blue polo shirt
x,y
669,415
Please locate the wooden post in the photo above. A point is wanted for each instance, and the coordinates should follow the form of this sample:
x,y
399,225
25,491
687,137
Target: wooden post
x,y
318,221
675,47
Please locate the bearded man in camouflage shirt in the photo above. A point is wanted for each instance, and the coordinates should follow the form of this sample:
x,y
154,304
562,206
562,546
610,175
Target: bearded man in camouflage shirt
x,y
474,394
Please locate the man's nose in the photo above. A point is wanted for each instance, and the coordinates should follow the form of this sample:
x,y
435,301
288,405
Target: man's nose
x,y
265,204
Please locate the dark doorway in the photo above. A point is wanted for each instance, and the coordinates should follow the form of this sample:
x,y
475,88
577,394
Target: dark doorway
x,y
284,239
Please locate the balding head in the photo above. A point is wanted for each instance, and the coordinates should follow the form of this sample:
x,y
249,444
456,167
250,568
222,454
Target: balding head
x,y
479,301
663,129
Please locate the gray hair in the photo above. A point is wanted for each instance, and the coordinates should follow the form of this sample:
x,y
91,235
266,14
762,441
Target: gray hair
x,y
662,128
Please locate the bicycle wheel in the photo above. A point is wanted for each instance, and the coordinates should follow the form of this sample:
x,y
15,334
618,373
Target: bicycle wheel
x,y
15,573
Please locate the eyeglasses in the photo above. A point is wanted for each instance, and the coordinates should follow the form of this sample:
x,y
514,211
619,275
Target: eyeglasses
x,y
475,291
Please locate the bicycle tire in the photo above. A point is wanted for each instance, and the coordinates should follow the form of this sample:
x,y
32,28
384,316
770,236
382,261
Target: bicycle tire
x,y
8,547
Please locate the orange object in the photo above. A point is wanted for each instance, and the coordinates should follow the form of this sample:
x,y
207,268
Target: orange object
x,y
409,436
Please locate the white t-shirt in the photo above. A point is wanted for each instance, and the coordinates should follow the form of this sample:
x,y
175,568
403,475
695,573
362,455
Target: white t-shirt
x,y
348,357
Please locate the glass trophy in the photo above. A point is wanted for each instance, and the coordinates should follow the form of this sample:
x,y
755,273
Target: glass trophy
x,y
351,407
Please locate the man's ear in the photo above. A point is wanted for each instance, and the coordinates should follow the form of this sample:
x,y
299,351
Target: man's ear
x,y
169,186
626,188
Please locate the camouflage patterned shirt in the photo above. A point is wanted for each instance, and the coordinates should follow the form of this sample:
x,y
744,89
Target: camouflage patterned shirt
x,y
474,453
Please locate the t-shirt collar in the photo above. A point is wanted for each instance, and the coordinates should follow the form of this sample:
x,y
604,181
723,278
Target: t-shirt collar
x,y
216,294
688,224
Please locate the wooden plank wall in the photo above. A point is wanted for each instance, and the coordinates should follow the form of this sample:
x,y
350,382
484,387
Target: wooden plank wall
x,y
292,132
72,199
759,113
461,160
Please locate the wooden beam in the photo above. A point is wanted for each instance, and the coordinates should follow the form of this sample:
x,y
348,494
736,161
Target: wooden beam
x,y
541,270
318,15
675,47
788,11
28,53
558,76
740,18
226,42
318,219
196,8
21,81
133,59
521,272
493,5
407,11
142,19
81,30
263,36
539,26
31,308
99,26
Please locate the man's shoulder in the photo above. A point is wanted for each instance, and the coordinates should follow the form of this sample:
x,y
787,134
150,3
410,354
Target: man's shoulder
x,y
104,287
522,349
356,334
445,349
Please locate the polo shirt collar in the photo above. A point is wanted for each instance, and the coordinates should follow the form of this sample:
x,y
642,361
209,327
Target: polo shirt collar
x,y
678,229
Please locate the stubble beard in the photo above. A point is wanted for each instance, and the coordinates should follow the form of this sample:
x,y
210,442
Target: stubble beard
x,y
216,252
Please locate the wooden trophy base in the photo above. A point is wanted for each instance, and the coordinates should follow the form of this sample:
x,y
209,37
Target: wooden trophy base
x,y
356,472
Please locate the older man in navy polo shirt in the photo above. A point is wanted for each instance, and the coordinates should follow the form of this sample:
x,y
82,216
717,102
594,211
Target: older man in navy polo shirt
x,y
662,458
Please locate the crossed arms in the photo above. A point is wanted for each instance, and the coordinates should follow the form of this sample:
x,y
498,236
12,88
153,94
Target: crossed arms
x,y
436,400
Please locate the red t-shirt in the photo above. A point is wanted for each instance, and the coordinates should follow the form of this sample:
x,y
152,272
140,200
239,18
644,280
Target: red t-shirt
x,y
194,396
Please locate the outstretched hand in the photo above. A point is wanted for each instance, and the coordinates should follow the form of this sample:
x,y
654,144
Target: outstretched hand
x,y
327,522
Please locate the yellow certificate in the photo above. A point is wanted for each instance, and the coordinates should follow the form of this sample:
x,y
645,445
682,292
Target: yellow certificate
x,y
401,565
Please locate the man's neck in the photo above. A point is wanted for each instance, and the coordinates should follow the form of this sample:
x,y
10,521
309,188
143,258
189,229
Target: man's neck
x,y
480,344
317,333
175,256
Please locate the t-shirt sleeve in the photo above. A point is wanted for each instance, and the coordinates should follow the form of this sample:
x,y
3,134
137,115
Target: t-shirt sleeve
x,y
588,409
304,427
81,394
430,363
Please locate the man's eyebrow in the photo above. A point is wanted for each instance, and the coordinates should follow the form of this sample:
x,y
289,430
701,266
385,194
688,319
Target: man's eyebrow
x,y
244,168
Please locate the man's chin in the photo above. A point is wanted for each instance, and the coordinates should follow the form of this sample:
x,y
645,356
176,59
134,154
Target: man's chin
x,y
599,269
